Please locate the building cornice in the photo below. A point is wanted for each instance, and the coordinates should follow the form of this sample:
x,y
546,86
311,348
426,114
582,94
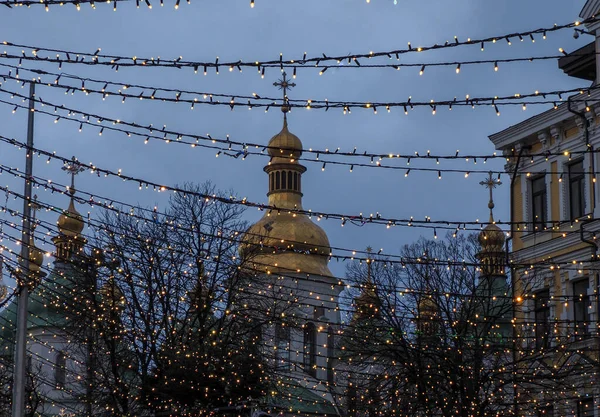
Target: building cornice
x,y
527,128
590,8
550,248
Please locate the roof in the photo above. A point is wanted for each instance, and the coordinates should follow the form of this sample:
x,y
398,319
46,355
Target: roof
x,y
523,130
300,400
580,63
590,8
49,304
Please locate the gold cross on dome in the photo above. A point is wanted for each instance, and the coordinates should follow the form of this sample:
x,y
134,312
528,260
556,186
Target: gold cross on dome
x,y
74,168
490,184
284,84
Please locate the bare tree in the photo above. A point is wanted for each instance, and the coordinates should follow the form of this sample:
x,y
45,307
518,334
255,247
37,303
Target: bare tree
x,y
166,329
433,336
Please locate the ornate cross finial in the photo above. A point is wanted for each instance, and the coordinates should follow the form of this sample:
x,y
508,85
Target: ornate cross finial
x,y
490,184
74,168
284,84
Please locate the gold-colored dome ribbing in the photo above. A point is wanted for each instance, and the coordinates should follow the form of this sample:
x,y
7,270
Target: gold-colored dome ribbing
x,y
491,237
285,144
70,222
36,257
288,241
427,307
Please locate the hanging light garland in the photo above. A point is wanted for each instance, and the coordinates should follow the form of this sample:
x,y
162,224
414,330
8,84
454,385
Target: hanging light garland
x,y
116,61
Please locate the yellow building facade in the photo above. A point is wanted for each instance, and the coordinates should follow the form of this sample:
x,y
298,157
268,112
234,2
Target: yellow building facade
x,y
552,160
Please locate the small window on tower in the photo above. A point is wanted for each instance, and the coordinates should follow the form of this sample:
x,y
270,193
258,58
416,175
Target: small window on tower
x,y
277,181
271,181
310,349
330,355
295,181
283,179
289,184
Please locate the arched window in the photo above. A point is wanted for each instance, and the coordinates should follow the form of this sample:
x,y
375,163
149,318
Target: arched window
x,y
60,370
283,180
277,181
271,181
289,182
295,181
310,349
330,354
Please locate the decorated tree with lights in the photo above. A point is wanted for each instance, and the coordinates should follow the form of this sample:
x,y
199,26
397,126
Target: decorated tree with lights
x,y
432,336
162,323
432,340
33,396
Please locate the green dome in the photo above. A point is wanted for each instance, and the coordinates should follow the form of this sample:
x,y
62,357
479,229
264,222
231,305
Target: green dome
x,y
52,304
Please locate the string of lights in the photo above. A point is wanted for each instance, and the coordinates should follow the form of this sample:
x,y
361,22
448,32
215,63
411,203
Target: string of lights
x,y
116,61
555,228
47,3
347,327
234,237
493,64
259,101
403,261
94,200
170,136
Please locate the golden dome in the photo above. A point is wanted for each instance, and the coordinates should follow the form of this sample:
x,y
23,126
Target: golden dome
x,y
427,307
284,240
285,144
70,222
491,237
287,243
36,258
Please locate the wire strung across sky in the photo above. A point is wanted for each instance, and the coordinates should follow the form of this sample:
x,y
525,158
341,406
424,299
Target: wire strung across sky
x,y
232,101
116,61
287,245
171,136
494,63
354,219
557,228
383,290
47,3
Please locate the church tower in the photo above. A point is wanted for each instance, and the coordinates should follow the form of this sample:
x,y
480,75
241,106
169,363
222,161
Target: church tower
x,y
285,249
493,286
53,364
492,256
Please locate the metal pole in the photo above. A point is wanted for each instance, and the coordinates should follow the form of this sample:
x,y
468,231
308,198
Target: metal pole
x,y
18,394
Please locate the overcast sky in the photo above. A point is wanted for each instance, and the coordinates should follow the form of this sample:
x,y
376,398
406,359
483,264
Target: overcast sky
x,y
232,30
